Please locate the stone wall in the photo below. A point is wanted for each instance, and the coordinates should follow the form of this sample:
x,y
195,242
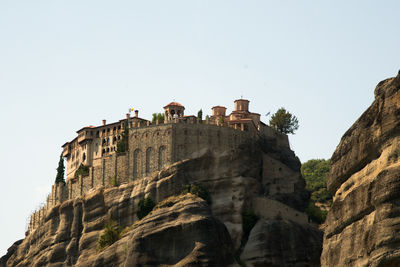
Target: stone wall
x,y
150,149
190,139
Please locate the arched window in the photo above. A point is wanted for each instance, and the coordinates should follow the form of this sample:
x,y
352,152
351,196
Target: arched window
x,y
161,157
149,156
136,155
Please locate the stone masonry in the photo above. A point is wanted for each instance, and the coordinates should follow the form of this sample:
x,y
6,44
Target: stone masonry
x,y
152,146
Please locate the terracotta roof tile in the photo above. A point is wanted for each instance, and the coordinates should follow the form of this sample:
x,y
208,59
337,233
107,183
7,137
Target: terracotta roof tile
x,y
174,104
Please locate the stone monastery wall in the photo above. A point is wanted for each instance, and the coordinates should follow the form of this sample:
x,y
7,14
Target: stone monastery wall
x,y
150,149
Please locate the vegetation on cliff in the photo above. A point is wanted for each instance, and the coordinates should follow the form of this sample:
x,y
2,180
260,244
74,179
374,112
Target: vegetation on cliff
x,y
82,170
111,234
284,122
200,115
158,116
60,170
199,191
145,206
315,172
123,144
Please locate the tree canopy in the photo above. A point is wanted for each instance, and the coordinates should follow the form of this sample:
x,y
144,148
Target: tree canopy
x,y
284,122
200,115
158,116
60,170
314,173
123,144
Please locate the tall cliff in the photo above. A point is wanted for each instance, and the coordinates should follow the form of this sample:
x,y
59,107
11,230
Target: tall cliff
x,y
362,227
183,230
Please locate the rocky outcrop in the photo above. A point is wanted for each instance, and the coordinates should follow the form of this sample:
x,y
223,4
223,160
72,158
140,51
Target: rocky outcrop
x,y
362,227
187,231
10,251
282,243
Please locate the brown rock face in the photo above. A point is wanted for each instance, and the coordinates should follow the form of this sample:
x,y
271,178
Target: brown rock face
x,y
187,231
362,227
282,243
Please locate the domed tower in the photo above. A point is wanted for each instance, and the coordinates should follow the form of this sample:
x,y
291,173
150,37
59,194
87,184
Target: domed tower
x,y
241,105
218,111
173,110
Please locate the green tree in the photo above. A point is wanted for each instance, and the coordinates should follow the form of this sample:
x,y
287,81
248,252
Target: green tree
x,y
111,234
200,115
314,173
158,116
123,145
284,122
82,170
199,191
315,214
60,170
153,120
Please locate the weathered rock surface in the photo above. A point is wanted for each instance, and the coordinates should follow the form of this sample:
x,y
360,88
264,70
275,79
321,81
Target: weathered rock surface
x,y
186,232
362,227
282,243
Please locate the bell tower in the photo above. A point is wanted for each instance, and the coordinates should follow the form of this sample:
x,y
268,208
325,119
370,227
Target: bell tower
x,y
173,110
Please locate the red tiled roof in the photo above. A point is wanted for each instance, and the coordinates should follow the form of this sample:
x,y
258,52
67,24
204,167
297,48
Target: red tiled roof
x,y
176,104
219,107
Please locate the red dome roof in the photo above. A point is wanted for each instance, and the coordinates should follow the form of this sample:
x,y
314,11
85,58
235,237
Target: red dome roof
x,y
176,104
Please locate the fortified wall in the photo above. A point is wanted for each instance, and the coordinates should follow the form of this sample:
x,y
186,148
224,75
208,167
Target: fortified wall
x,y
151,147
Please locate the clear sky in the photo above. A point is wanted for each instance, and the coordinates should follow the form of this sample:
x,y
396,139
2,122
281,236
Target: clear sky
x,y
69,64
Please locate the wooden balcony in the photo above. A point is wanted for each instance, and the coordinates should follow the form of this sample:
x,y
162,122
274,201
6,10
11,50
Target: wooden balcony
x,y
83,136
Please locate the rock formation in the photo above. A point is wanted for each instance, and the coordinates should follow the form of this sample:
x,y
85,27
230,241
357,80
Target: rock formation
x,y
183,230
362,227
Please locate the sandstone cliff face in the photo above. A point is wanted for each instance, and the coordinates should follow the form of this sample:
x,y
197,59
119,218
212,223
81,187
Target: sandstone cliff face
x,y
362,227
275,242
187,232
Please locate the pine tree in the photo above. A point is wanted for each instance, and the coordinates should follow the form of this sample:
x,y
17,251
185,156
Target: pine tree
x,y
284,122
200,115
60,170
123,145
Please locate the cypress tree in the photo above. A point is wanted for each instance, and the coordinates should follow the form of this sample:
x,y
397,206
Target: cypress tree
x,y
60,170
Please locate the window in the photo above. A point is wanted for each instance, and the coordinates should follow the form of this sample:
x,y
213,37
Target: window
x,y
149,155
161,157
136,155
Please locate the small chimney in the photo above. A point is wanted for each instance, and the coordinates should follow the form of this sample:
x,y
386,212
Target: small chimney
x,y
104,122
127,116
136,113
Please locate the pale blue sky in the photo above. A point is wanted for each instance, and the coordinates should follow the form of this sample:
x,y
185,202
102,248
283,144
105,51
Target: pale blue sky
x,y
68,64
